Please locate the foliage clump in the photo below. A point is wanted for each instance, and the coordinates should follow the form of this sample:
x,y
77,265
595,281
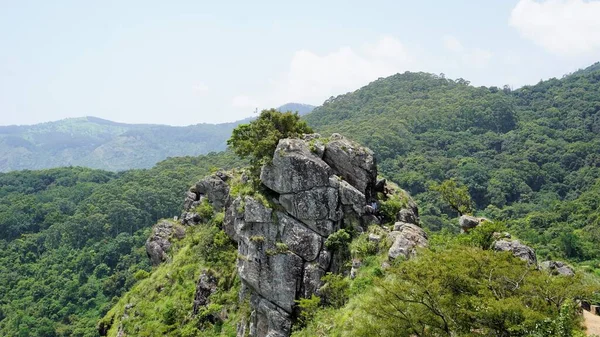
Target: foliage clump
x,y
392,203
258,139
338,240
451,291
335,290
162,302
455,194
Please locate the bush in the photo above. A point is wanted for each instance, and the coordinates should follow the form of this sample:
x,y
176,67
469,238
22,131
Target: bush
x,y
335,290
482,236
140,275
393,204
205,210
308,308
258,140
338,240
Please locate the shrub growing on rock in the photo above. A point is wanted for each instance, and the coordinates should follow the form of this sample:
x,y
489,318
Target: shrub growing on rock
x,y
257,140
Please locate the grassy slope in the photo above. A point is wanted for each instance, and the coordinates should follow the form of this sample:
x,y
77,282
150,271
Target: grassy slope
x,y
161,304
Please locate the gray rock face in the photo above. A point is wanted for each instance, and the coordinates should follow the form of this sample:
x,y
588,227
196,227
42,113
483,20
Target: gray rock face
x,y
295,168
557,268
234,218
190,218
158,243
311,281
314,204
206,286
190,199
350,196
214,188
321,186
467,222
407,215
268,320
406,239
518,249
299,239
354,163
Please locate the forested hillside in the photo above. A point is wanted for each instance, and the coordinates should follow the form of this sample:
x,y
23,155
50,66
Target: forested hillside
x,y
530,156
71,239
102,144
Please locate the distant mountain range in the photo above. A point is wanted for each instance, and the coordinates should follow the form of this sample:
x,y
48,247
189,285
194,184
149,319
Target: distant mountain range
x,y
99,143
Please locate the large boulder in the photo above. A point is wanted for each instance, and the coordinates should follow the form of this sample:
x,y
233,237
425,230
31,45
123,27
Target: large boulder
x,y
295,168
408,215
467,222
158,244
314,204
354,163
557,268
298,238
518,249
406,239
191,200
214,188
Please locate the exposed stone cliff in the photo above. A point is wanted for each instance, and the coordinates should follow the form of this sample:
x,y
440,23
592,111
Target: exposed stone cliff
x,y
313,188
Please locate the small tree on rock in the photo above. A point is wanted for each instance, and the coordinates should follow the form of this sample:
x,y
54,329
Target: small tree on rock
x,y
258,140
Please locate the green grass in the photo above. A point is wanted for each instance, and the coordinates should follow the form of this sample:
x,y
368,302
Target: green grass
x,y
161,304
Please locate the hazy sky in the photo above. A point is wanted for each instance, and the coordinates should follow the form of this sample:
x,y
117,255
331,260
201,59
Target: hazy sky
x,y
187,62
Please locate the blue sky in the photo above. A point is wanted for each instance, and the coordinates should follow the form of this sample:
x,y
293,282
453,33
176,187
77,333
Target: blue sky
x,y
188,62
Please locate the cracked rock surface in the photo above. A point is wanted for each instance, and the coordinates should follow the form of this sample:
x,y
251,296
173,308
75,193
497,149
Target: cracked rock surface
x,y
317,187
312,187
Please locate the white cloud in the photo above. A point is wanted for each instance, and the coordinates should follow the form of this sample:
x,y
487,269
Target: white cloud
x,y
468,57
312,78
564,27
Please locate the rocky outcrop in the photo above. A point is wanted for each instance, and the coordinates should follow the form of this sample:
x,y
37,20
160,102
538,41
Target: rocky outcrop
x,y
206,286
408,215
158,244
315,187
354,163
518,249
406,239
214,189
312,188
557,268
468,222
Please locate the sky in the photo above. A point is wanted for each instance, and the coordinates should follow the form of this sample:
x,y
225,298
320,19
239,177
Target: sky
x,y
189,62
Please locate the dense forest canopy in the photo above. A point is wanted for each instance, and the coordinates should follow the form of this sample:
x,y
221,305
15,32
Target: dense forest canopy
x,y
524,154
71,239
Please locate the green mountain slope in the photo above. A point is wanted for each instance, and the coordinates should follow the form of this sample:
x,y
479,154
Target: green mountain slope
x,y
97,143
518,152
71,239
102,144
